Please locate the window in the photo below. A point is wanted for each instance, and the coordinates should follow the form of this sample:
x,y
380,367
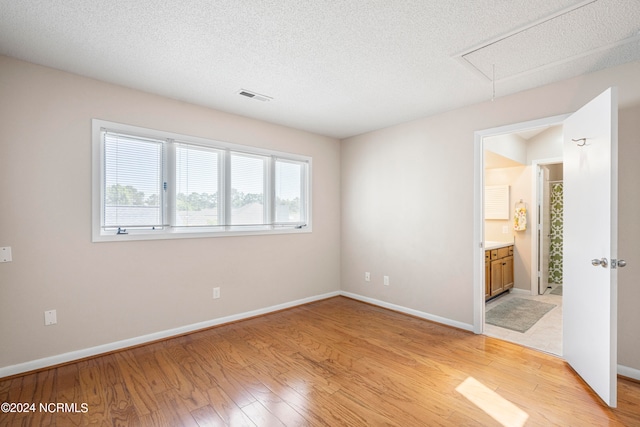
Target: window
x,y
289,178
133,177
197,186
248,192
150,184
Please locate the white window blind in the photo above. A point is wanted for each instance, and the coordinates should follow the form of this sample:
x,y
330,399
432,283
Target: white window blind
x,y
247,189
133,181
150,184
197,186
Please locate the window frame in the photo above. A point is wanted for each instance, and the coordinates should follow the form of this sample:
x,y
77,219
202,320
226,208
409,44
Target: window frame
x,y
274,194
172,231
266,188
161,179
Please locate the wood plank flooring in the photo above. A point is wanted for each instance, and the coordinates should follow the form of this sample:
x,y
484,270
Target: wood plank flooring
x,y
336,362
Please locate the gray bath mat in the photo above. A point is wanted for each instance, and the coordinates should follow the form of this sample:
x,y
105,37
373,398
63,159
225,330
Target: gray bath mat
x,y
517,314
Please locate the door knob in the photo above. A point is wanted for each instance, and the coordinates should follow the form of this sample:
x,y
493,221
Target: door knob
x,y
603,262
618,263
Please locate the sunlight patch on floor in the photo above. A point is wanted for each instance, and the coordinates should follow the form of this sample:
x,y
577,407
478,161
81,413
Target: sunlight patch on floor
x,y
494,405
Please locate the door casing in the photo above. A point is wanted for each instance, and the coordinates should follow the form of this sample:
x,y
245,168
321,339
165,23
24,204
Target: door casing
x,y
535,194
478,211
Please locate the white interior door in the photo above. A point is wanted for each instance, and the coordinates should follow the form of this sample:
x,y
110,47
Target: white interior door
x,y
590,233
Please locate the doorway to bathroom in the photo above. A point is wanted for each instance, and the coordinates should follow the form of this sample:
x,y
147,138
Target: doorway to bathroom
x,y
528,164
548,238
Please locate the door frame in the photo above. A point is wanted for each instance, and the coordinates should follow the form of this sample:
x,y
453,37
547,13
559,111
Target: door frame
x,y
478,211
535,192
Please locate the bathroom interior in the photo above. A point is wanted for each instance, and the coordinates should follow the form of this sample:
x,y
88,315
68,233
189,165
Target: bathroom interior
x,y
523,237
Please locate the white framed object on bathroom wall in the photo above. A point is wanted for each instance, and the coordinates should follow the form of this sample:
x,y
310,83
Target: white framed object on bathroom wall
x,y
496,202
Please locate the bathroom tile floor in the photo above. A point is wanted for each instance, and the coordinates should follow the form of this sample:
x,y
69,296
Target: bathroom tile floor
x,y
545,335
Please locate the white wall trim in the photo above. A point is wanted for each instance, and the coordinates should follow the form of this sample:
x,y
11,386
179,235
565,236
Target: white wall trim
x,y
478,233
131,342
535,190
410,311
478,204
628,372
622,370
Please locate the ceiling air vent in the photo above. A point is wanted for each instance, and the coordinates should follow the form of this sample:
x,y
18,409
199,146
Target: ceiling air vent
x,y
254,95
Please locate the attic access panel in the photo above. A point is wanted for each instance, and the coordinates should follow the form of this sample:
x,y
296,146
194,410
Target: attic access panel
x,y
583,29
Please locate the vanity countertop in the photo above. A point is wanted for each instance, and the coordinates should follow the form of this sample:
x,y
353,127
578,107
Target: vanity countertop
x,y
489,245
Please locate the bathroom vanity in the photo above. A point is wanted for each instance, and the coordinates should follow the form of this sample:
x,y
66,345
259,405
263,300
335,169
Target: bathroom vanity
x,y
498,268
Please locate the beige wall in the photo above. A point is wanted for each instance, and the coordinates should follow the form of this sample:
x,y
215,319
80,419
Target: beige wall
x,y
518,179
493,228
408,191
106,292
629,236
405,194
545,145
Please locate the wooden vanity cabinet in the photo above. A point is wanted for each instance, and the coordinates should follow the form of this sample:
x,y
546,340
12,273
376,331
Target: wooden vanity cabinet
x,y
498,271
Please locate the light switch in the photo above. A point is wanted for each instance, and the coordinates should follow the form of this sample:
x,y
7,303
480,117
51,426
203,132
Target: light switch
x,y
50,317
5,254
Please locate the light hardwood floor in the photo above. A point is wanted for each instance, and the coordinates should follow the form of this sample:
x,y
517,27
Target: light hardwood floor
x,y
330,363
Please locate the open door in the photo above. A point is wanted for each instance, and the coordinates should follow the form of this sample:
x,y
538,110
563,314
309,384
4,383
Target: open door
x,y
590,243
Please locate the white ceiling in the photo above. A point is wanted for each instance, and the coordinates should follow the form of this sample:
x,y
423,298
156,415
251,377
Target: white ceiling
x,y
494,160
334,67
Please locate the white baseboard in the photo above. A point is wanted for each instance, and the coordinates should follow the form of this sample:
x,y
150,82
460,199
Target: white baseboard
x,y
410,311
622,370
131,342
628,372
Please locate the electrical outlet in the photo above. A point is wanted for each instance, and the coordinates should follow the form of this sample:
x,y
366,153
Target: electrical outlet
x,y
50,317
216,293
505,229
386,280
367,276
5,254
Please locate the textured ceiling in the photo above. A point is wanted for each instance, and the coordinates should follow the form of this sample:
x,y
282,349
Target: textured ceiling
x,y
337,68
576,32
